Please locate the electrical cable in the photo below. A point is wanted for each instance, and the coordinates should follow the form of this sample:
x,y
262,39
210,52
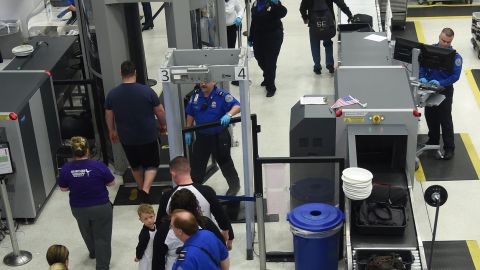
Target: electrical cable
x,y
426,209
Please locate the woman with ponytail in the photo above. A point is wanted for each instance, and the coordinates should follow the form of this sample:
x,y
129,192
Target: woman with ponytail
x,y
87,180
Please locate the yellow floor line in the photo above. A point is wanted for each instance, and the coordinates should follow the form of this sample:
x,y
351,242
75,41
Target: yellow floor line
x,y
473,86
412,19
419,31
442,5
471,152
474,253
420,175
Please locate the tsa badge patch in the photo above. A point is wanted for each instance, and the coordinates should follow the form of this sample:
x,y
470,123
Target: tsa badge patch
x,y
229,98
458,61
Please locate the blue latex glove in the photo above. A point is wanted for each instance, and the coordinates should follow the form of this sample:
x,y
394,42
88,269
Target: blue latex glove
x,y
435,82
61,14
250,43
225,120
422,80
237,21
188,138
275,2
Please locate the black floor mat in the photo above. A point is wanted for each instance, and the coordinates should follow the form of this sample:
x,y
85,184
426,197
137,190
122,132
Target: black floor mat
x,y
451,255
476,76
408,33
460,167
129,196
442,11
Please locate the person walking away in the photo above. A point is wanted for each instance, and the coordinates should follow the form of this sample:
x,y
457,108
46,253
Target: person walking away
x,y
266,37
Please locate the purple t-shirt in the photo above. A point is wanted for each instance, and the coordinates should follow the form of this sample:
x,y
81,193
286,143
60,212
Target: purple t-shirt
x,y
86,179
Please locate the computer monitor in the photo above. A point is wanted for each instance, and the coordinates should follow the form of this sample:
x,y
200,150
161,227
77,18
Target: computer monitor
x,y
437,58
403,49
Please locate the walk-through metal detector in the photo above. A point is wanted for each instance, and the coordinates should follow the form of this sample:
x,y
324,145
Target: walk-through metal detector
x,y
110,32
221,65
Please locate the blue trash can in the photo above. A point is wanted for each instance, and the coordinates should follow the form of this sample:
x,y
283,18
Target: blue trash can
x,y
315,228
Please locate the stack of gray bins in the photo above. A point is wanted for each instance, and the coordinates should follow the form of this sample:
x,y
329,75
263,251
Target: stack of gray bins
x,y
10,37
399,12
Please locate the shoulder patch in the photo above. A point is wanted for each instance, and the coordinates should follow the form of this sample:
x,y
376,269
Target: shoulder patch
x,y
182,255
228,98
458,61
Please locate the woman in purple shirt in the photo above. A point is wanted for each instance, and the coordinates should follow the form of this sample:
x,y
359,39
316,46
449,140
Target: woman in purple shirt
x,y
87,180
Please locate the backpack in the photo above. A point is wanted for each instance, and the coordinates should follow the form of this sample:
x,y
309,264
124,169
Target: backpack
x,y
321,21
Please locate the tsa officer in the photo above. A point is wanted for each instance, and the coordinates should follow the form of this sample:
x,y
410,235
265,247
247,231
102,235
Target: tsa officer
x,y
266,37
209,104
441,115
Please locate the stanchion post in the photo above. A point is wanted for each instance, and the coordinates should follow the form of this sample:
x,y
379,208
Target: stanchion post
x,y
261,231
17,257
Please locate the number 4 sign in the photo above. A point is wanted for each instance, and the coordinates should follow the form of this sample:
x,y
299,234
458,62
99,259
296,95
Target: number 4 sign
x,y
240,73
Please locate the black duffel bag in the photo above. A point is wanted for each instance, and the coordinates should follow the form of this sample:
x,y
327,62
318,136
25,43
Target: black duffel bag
x,y
373,213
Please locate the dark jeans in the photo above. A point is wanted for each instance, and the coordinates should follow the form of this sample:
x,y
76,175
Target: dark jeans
x,y
266,49
147,12
217,145
315,48
95,224
232,35
441,116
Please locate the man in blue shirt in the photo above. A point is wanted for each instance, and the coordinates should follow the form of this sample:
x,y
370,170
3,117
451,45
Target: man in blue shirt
x,y
210,104
202,250
130,111
441,115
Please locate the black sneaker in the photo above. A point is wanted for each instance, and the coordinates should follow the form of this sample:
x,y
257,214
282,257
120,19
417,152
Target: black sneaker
x,y
317,70
263,83
235,83
271,91
449,153
330,68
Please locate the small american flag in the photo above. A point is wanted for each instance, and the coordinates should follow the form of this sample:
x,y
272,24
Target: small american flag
x,y
345,101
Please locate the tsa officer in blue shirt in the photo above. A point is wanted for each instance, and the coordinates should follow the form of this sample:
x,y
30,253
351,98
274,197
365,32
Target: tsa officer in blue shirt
x,y
441,116
210,104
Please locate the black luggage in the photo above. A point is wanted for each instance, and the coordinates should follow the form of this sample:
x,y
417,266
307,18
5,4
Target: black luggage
x,y
363,18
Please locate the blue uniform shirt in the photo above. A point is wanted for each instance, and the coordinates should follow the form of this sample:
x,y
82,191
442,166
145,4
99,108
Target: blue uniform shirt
x,y
445,78
193,257
210,109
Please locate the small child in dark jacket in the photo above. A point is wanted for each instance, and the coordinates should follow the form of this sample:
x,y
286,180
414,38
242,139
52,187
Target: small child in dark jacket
x,y
144,250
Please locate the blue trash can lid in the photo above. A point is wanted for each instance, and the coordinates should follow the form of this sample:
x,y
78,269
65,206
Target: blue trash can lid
x,y
315,217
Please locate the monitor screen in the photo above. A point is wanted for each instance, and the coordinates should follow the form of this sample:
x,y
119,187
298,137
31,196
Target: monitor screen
x,y
403,49
6,166
437,58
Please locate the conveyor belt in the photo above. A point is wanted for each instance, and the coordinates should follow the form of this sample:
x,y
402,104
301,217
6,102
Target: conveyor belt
x,y
415,265
406,241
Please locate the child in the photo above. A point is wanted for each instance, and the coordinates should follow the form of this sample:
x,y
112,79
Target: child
x,y
144,251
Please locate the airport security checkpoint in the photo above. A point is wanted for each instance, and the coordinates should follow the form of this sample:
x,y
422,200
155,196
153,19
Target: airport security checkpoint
x,y
342,190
